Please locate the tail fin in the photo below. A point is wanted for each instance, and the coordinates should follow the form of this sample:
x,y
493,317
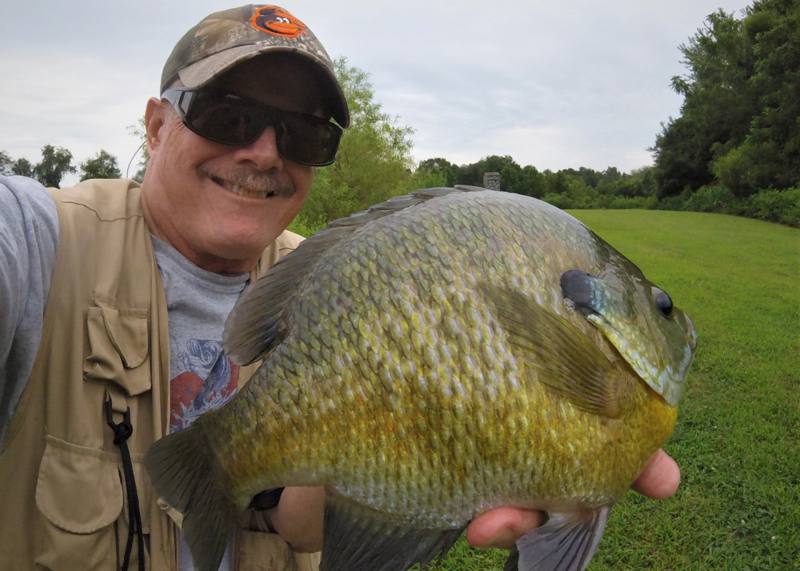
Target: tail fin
x,y
182,472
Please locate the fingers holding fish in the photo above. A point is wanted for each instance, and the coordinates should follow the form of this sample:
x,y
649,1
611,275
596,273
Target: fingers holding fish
x,y
503,527
660,478
298,518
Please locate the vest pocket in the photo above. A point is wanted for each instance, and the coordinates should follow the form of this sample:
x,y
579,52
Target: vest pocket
x,y
257,551
80,495
258,548
119,344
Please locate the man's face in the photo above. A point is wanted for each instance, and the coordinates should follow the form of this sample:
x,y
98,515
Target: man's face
x,y
221,205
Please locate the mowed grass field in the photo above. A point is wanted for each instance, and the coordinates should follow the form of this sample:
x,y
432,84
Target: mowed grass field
x,y
738,434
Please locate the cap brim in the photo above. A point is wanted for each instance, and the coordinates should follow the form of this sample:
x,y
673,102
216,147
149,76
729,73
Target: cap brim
x,y
202,72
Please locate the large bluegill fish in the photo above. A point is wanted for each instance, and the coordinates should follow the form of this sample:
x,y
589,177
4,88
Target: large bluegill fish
x,y
437,356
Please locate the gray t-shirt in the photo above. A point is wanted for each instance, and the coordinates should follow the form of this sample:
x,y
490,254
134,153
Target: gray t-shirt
x,y
202,376
28,244
198,303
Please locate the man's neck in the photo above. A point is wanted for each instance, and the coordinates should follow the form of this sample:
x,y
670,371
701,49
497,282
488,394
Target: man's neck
x,y
226,266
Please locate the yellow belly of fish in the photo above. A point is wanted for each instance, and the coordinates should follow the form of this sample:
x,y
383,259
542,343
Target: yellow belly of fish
x,y
438,461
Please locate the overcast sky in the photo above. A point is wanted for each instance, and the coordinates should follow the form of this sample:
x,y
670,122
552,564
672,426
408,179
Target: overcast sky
x,y
553,83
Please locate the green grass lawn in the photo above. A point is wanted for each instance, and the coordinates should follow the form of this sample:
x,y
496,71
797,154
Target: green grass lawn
x,y
738,434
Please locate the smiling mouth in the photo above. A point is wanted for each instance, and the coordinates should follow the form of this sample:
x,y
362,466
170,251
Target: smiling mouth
x,y
241,190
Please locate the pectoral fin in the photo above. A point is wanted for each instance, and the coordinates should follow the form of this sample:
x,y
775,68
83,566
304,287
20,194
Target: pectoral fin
x,y
562,356
565,543
357,538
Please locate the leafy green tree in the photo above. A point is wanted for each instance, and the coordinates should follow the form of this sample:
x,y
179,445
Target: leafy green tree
x,y
500,164
430,179
374,161
104,165
526,180
5,163
590,177
55,163
439,166
717,108
470,174
738,122
748,168
510,179
770,155
558,183
496,163
639,183
611,174
22,167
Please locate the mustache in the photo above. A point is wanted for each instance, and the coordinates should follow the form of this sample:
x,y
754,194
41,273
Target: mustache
x,y
256,183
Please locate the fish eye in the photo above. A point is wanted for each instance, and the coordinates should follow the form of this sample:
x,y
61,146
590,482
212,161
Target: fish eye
x,y
664,303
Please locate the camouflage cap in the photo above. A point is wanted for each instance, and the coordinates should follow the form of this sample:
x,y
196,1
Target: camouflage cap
x,y
225,39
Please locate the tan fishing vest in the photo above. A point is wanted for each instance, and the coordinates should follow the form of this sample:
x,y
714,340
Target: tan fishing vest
x,y
62,492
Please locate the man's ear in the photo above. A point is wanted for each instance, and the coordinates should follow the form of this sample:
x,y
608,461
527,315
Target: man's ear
x,y
153,123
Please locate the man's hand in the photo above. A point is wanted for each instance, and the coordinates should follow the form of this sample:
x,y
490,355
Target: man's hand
x,y
502,527
298,518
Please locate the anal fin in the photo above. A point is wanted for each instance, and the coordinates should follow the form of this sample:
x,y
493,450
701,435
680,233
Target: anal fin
x,y
565,543
512,563
357,538
182,469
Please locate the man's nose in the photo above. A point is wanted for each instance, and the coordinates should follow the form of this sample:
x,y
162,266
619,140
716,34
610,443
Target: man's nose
x,y
263,152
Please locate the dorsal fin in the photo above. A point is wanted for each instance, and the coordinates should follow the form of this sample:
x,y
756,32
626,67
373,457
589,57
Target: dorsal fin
x,y
252,329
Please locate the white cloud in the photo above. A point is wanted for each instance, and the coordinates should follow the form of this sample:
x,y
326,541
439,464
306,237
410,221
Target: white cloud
x,y
554,83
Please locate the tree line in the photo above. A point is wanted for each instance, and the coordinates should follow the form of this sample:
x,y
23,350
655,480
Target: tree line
x,y
375,163
56,162
739,120
567,188
735,148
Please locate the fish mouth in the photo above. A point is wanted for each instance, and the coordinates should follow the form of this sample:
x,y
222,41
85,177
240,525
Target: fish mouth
x,y
242,190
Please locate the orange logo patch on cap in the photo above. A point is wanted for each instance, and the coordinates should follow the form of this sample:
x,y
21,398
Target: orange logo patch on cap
x,y
278,22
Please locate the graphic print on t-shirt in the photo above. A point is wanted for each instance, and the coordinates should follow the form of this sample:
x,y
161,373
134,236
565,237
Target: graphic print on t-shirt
x,y
208,380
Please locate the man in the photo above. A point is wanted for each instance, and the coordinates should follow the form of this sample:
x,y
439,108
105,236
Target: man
x,y
113,299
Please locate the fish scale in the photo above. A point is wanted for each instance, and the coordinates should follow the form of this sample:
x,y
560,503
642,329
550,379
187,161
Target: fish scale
x,y
434,374
472,351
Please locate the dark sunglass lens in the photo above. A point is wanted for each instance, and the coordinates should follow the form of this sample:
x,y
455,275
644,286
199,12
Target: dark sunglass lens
x,y
225,118
308,141
236,120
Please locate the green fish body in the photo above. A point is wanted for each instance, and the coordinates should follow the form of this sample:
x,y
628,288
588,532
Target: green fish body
x,y
433,358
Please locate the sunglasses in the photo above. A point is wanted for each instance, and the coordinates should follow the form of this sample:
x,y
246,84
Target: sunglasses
x,y
231,119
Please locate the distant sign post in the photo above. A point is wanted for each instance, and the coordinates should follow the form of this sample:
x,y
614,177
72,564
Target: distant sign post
x,y
491,180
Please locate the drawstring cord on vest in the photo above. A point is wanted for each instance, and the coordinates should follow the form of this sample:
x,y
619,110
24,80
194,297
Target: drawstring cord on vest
x,y
122,432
